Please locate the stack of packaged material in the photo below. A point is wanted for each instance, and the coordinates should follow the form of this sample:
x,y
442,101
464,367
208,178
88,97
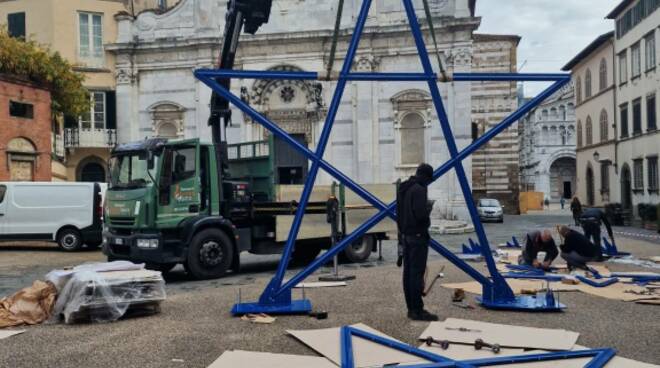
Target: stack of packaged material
x,y
105,292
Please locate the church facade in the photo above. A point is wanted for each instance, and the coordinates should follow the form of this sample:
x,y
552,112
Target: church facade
x,y
382,130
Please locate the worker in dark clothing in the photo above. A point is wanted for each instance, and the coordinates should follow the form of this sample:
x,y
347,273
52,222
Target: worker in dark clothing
x,y
577,250
539,241
591,220
413,221
576,208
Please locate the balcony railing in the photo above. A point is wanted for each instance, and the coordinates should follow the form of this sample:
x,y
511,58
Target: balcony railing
x,y
90,138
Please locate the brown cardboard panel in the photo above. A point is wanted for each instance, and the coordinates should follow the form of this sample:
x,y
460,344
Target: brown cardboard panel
x,y
365,353
9,333
506,335
615,362
239,358
462,352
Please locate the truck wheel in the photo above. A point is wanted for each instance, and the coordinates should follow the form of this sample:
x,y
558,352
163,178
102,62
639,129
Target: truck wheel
x,y
210,254
162,267
304,253
69,240
360,251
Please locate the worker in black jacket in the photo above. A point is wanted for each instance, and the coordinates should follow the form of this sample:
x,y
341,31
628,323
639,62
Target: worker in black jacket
x,y
414,220
576,249
591,220
539,241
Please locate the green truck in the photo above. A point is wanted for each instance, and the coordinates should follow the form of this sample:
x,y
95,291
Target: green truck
x,y
167,205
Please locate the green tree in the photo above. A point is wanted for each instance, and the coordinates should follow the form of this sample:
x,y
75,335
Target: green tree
x,y
37,63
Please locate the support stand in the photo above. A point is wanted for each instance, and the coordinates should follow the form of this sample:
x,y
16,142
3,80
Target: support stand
x,y
333,218
497,294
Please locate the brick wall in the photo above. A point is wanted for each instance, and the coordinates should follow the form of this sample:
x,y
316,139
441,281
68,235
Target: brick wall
x,y
37,130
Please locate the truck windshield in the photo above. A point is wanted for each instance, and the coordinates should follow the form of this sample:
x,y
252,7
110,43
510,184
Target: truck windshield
x,y
132,170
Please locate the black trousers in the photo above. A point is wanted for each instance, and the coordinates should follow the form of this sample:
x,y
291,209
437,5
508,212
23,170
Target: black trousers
x,y
415,255
592,232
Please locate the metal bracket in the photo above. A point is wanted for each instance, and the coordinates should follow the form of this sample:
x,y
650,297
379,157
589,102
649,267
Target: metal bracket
x,y
276,298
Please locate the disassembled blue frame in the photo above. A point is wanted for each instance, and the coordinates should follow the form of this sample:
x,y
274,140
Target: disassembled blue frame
x,y
276,298
610,249
600,357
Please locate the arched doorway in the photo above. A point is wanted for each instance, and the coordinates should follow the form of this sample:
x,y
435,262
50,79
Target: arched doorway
x,y
91,169
22,155
93,173
590,186
626,188
562,178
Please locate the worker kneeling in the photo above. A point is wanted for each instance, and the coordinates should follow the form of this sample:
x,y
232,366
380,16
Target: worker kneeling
x,y
577,250
414,220
539,241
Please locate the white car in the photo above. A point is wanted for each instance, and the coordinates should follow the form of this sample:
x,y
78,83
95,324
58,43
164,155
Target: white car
x,y
490,210
67,213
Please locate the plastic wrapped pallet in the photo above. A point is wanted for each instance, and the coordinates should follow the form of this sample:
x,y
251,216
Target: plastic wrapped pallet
x,y
105,296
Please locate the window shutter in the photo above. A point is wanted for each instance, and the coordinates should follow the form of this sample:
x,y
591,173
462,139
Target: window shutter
x,y
16,25
111,110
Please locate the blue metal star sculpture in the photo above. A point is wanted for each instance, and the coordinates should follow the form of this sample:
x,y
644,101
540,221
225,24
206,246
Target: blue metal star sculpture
x,y
276,298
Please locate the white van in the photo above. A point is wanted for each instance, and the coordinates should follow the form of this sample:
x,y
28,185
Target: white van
x,y
67,213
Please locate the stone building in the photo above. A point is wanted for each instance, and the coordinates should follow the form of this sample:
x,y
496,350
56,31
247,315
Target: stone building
x,y
593,75
25,118
495,168
382,131
78,31
617,83
547,147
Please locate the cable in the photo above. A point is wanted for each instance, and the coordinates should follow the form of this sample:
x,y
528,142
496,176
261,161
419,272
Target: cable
x,y
427,10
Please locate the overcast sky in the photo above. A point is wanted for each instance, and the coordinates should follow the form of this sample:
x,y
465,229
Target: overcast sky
x,y
552,31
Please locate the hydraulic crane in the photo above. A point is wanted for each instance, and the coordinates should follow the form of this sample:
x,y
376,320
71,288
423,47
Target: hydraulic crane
x,y
247,15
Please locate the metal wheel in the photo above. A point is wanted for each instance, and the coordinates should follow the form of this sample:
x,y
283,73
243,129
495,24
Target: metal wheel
x,y
210,254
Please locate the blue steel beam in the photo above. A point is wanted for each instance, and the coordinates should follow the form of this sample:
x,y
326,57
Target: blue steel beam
x,y
600,357
272,291
271,294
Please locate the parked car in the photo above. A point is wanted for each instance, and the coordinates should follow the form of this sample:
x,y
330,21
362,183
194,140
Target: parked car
x,y
490,210
67,213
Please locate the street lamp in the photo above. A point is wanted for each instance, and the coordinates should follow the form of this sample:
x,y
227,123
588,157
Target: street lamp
x,y
596,156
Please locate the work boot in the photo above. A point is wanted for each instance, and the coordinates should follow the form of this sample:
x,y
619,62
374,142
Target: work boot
x,y
422,315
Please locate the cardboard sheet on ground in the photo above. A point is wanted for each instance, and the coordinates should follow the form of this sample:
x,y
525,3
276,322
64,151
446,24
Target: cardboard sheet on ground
x,y
251,359
649,301
9,333
365,353
616,362
506,335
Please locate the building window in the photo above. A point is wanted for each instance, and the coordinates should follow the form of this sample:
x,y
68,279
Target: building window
x,y
604,129
604,177
562,112
589,130
651,116
578,90
21,110
95,118
638,172
16,25
624,120
412,139
635,15
623,67
90,36
637,116
636,61
579,133
587,84
602,75
650,51
653,173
